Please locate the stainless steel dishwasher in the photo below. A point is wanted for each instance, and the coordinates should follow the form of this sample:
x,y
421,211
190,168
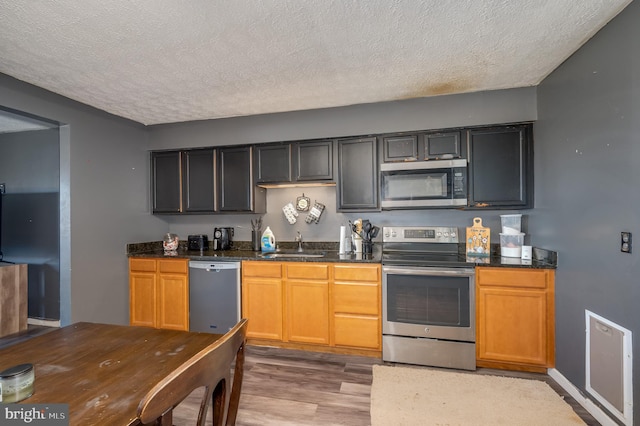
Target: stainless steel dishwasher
x,y
214,296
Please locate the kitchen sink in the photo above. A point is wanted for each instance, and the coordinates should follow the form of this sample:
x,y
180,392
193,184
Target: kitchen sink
x,y
294,254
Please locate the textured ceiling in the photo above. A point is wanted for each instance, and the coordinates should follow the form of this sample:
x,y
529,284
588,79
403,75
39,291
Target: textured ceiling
x,y
163,61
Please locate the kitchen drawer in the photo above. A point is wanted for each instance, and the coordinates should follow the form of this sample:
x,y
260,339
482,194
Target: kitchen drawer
x,y
177,266
512,277
351,272
142,265
357,331
262,269
308,271
356,298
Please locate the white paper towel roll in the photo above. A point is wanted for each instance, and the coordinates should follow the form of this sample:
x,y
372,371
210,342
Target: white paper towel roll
x,y
343,236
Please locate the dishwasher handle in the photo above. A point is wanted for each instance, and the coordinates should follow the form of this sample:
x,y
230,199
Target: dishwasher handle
x,y
215,266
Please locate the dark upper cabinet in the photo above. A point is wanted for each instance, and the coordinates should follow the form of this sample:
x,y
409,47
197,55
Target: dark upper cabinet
x,y
273,163
208,180
288,162
183,181
238,191
199,180
357,183
442,146
399,148
501,167
436,145
166,178
313,160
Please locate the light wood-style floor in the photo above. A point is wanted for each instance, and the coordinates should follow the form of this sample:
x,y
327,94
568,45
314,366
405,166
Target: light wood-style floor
x,y
288,387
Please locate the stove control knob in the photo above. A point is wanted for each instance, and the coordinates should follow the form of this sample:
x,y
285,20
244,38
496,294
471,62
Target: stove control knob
x,y
453,234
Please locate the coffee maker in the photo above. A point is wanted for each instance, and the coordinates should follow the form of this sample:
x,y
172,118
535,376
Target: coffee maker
x,y
222,238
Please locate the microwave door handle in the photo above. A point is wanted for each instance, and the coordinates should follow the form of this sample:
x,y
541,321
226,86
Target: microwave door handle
x,y
423,165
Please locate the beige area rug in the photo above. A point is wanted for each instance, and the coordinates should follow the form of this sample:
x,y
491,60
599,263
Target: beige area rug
x,y
416,396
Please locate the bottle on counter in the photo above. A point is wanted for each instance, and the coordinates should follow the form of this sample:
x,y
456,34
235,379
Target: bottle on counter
x,y
268,241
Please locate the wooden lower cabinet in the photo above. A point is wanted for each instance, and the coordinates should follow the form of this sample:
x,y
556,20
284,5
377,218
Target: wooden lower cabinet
x,y
142,292
335,306
357,306
357,331
262,301
307,302
159,293
515,318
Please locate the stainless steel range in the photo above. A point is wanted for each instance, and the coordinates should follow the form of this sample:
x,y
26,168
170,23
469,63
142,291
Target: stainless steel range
x,y
428,298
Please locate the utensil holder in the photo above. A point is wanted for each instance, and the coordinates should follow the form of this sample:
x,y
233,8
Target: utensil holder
x,y
256,235
367,247
357,244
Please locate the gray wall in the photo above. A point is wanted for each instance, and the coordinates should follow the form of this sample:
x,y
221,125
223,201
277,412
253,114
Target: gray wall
x,y
29,161
505,106
30,169
501,106
587,173
104,178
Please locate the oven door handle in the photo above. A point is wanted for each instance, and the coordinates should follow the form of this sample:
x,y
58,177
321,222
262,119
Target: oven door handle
x,y
428,271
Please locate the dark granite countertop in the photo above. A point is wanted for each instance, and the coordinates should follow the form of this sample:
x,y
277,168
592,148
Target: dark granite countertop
x,y
542,259
511,262
242,251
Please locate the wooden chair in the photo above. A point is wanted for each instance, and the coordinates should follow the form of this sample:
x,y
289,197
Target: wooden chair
x,y
211,369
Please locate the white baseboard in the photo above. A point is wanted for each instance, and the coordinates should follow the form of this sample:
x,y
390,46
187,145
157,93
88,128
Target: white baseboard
x,y
46,323
588,405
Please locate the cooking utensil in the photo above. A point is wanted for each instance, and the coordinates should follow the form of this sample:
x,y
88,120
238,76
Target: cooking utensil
x,y
354,229
366,231
256,225
374,232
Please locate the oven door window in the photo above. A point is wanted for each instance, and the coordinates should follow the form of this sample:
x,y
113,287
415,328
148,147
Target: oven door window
x,y
428,300
416,185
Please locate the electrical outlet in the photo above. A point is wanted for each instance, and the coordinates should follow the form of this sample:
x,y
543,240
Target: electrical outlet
x,y
2,188
625,242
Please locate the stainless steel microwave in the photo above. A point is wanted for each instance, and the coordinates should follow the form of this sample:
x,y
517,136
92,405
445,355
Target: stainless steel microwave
x,y
440,183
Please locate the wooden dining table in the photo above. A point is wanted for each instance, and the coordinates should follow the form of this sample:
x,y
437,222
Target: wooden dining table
x,y
102,371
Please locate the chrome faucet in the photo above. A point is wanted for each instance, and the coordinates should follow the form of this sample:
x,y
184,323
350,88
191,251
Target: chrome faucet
x,y
299,241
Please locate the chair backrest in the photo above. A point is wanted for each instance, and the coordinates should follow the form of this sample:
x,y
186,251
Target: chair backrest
x,y
211,369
